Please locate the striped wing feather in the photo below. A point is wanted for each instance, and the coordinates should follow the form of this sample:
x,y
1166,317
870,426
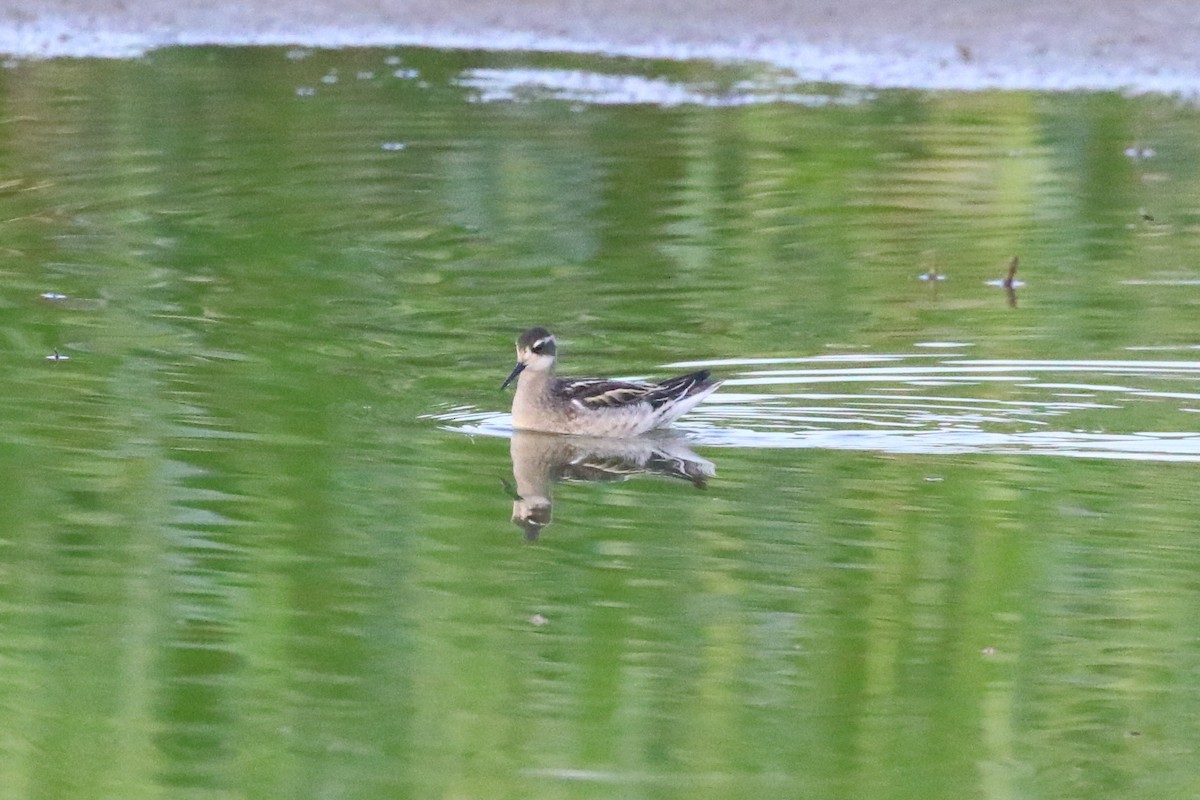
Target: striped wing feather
x,y
598,393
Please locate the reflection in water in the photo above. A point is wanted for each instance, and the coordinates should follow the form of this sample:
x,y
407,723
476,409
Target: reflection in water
x,y
542,459
235,565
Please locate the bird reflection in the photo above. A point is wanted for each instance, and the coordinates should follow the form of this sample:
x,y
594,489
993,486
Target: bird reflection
x,y
542,459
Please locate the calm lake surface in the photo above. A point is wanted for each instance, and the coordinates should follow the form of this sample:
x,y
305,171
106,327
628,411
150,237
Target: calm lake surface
x,y
932,539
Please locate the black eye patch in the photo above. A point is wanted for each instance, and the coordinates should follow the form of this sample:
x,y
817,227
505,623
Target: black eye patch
x,y
543,346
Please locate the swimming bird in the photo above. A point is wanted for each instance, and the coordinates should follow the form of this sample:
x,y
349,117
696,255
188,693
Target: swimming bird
x,y
594,406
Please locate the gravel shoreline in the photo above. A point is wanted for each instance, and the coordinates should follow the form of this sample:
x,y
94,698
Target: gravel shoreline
x,y
970,44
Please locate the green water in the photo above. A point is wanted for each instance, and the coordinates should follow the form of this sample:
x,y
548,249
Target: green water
x,y
256,527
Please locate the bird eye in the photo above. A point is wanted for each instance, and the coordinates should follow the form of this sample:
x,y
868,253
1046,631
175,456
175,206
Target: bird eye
x,y
539,347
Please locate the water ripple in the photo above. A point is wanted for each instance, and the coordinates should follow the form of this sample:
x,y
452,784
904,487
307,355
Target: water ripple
x,y
930,403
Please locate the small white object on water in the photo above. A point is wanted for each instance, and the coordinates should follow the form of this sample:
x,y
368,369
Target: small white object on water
x,y
57,356
53,296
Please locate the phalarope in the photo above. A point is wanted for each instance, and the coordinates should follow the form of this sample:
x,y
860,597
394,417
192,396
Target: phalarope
x,y
594,406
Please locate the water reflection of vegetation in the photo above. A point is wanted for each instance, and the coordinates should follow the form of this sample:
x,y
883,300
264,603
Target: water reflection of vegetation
x,y
236,563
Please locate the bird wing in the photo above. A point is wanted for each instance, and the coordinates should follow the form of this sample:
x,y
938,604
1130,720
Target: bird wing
x,y
601,393
675,388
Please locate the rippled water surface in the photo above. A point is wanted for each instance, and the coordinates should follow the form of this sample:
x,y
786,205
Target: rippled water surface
x,y
268,532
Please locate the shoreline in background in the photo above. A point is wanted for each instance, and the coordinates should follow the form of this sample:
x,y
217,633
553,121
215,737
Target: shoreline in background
x,y
924,44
